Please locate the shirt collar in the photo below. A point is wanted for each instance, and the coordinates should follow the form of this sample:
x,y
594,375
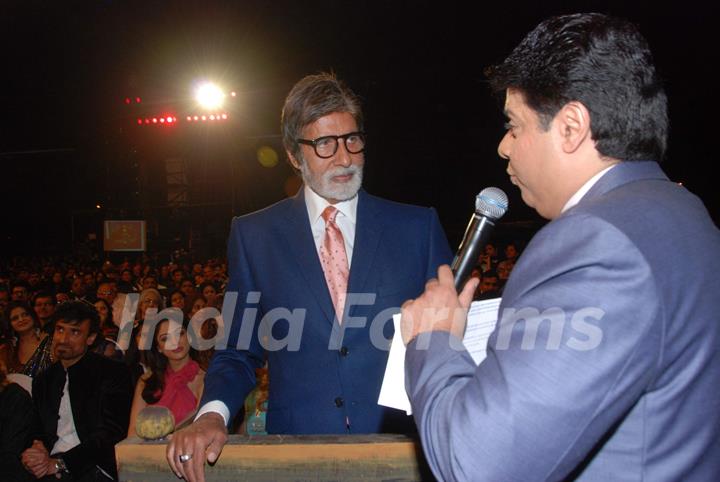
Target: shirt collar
x,y
316,205
580,193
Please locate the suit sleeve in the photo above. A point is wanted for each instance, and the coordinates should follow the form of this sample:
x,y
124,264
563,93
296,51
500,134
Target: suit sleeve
x,y
438,249
576,346
231,374
112,424
19,426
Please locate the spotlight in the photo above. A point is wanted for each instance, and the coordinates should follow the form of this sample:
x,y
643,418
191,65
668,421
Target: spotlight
x,y
209,96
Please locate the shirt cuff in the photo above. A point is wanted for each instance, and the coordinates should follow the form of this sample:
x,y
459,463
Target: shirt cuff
x,y
215,406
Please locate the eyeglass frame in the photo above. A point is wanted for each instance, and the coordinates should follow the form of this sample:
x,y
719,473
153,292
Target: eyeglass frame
x,y
344,138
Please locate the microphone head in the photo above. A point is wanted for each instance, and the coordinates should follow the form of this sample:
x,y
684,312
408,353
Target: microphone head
x,y
491,202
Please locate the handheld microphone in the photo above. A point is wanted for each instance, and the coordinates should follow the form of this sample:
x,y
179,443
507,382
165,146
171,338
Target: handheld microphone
x,y
490,205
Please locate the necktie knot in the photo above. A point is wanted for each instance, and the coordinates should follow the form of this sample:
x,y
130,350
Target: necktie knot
x,y
329,214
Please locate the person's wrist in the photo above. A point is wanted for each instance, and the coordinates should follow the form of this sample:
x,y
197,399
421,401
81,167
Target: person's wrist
x,y
212,417
57,466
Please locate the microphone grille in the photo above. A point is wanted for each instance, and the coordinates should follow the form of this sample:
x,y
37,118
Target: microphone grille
x,y
491,202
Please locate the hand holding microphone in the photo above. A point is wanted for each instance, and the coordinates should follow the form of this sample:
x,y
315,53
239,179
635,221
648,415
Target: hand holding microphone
x,y
490,205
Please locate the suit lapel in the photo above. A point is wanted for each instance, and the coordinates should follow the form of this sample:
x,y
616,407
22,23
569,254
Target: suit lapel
x,y
302,246
368,229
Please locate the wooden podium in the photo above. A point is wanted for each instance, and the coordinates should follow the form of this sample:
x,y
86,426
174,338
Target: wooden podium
x,y
288,457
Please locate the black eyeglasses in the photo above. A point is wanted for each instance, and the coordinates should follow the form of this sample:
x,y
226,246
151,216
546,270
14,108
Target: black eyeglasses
x,y
327,146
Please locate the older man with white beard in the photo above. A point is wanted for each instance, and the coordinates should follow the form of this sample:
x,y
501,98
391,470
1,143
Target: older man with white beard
x,y
318,278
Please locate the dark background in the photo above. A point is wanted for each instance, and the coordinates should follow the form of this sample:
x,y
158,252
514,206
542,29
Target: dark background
x,y
69,141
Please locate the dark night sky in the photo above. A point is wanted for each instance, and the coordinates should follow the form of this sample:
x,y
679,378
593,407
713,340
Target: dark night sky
x,y
69,142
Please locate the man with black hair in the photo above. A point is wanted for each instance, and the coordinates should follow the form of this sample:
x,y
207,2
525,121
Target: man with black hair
x,y
20,291
44,306
83,401
605,362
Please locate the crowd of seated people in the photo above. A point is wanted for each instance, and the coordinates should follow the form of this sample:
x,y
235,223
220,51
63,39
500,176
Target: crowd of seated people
x,y
162,365
494,270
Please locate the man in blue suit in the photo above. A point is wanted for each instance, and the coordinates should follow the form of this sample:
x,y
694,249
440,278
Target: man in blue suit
x,y
605,361
318,278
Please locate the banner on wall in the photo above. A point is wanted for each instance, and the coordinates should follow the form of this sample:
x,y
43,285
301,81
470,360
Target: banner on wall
x,y
124,235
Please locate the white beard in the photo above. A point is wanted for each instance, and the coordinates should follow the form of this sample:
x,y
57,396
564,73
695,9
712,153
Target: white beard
x,y
324,186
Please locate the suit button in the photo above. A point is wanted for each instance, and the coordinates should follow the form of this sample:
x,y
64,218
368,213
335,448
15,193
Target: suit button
x,y
339,402
344,351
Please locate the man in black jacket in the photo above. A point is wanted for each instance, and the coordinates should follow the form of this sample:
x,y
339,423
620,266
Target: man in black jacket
x,y
83,401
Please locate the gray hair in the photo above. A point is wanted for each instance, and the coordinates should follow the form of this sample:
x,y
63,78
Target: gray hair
x,y
313,97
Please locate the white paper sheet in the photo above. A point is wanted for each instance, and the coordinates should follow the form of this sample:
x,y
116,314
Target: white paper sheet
x,y
482,318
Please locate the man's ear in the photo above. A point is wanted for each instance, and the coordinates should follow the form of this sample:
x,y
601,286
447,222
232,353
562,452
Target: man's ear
x,y
573,126
293,160
91,339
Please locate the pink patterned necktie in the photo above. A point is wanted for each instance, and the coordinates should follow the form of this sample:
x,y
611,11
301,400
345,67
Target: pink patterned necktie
x,y
333,259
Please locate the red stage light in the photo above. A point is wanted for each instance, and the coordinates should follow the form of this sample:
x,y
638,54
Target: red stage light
x,y
224,116
212,117
169,119
204,118
137,99
140,121
189,118
154,120
195,118
147,121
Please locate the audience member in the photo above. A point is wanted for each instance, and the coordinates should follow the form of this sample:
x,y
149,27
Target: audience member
x,y
30,352
44,307
20,291
83,401
173,380
18,426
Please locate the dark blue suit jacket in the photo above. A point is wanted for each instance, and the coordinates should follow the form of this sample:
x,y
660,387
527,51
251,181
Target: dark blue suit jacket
x,y
322,374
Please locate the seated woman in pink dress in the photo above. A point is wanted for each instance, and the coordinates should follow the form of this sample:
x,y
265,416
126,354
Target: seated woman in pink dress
x,y
174,380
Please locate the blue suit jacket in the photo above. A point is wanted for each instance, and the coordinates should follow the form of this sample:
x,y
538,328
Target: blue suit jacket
x,y
606,365
322,374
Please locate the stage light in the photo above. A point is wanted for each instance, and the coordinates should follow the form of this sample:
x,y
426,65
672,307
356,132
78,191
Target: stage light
x,y
154,120
137,99
209,96
224,116
140,121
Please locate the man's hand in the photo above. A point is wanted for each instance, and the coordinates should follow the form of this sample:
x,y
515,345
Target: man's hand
x,y
439,308
37,461
202,440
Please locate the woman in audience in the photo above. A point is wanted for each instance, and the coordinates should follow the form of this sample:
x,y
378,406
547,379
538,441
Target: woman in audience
x,y
173,380
208,291
18,427
107,346
107,326
30,353
177,299
198,303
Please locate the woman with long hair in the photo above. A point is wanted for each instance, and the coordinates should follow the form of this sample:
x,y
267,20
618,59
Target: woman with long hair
x,y
30,351
173,380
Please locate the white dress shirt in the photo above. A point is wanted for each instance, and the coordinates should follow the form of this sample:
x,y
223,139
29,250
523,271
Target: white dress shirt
x,y
66,432
580,193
